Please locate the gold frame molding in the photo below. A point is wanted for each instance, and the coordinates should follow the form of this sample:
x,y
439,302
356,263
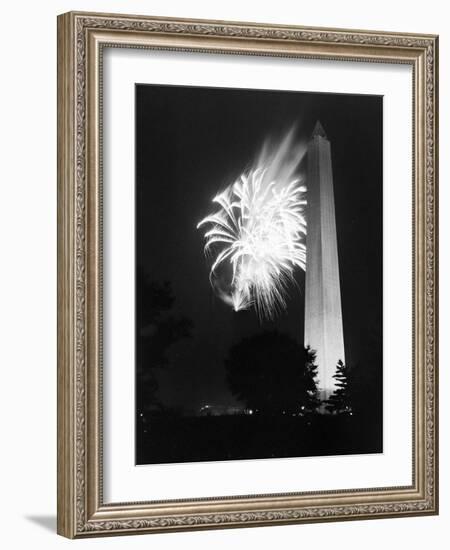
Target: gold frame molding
x,y
81,39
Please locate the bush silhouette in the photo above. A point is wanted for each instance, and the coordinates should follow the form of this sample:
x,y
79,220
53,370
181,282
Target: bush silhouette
x,y
271,373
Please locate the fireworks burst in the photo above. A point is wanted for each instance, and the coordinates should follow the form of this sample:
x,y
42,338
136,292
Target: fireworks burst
x,y
259,231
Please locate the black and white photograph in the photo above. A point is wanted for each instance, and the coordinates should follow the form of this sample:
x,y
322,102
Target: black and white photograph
x,y
224,275
258,276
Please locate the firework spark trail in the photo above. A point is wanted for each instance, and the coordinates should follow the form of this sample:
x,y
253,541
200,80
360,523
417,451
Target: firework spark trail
x,y
259,230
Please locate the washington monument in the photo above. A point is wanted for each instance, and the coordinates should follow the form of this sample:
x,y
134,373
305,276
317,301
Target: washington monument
x,y
323,312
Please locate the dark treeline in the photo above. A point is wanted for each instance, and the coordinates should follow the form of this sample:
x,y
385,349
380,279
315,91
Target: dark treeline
x,y
275,379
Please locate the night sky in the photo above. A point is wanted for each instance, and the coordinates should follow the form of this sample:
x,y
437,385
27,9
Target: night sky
x,y
192,143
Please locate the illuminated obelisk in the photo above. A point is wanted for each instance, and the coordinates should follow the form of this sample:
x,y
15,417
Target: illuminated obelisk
x,y
323,312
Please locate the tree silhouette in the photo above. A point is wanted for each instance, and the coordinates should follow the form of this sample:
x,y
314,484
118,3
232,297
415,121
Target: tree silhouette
x,y
360,387
366,379
156,331
271,373
340,400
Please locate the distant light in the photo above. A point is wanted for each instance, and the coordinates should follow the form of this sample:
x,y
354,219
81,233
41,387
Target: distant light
x,y
142,414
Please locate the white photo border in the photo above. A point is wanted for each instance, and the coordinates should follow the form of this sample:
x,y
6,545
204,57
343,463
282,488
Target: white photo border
x,y
124,482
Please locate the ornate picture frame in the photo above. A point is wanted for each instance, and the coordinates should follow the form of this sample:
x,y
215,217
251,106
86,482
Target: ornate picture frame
x,y
82,40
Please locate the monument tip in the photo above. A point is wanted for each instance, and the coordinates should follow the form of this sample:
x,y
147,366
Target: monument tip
x,y
318,131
